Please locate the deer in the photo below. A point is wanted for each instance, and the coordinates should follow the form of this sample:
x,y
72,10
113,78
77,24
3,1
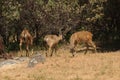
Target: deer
x,y
81,37
27,38
52,41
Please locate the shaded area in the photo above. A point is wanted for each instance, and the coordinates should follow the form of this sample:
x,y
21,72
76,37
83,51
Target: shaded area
x,y
108,47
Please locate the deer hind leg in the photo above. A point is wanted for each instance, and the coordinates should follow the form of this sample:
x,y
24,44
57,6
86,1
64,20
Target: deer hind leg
x,y
46,49
52,50
72,51
20,45
93,45
27,50
46,53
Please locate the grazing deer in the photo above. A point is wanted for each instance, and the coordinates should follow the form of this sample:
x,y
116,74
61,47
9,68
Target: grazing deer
x,y
26,37
81,37
52,41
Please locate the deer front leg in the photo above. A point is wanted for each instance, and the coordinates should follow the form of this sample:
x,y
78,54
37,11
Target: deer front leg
x,y
87,46
20,45
72,50
93,45
27,50
51,53
49,50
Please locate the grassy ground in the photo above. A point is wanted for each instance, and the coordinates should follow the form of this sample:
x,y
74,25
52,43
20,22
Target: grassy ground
x,y
99,66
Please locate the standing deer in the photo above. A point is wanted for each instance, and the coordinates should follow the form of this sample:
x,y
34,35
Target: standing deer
x,y
81,37
52,41
26,37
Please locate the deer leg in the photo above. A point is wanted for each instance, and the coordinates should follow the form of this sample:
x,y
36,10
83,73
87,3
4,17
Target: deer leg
x,y
48,51
20,45
55,50
46,54
27,54
27,50
87,46
46,48
52,51
72,50
93,45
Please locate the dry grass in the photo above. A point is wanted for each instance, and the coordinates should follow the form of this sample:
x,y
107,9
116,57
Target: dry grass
x,y
99,66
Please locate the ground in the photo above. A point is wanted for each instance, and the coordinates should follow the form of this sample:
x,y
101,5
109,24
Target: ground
x,y
92,66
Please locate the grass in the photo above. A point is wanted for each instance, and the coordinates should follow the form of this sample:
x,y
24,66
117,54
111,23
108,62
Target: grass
x,y
99,66
6,78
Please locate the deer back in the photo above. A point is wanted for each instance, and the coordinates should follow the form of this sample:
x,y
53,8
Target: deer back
x,y
52,39
81,36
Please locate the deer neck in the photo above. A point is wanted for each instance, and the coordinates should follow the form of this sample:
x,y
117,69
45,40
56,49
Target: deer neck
x,y
60,37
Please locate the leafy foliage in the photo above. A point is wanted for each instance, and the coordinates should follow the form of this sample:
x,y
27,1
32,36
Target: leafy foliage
x,y
41,17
